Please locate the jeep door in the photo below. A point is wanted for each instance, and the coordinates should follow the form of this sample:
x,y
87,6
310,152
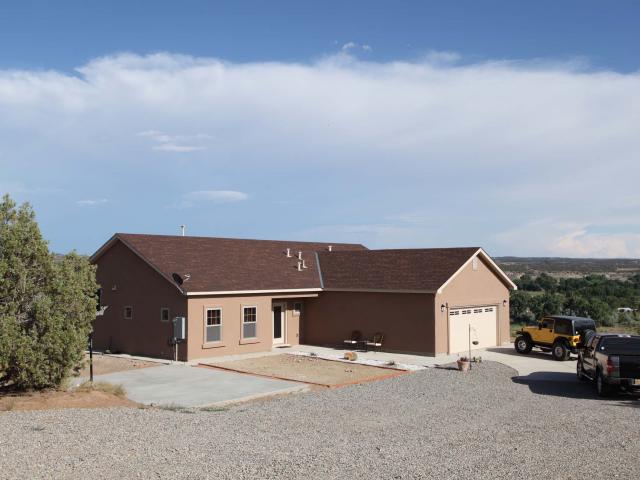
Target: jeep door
x,y
545,333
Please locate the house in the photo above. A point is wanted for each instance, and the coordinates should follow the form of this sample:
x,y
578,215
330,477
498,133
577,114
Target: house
x,y
242,296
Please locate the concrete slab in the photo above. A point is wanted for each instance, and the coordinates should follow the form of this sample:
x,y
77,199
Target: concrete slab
x,y
187,386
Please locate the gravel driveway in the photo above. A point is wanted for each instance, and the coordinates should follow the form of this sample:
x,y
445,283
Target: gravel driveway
x,y
435,423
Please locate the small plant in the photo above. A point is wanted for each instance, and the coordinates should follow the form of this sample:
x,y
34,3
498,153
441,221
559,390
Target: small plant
x,y
105,387
463,364
351,356
313,354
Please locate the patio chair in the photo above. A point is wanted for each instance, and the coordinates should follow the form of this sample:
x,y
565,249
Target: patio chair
x,y
356,338
376,343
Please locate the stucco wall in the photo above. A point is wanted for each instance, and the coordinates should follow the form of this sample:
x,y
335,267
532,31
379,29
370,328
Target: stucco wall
x,y
231,342
471,288
405,319
139,286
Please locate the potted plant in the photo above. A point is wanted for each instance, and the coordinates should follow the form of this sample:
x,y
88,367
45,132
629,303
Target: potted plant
x,y
463,364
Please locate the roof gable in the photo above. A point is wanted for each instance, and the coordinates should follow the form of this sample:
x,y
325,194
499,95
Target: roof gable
x,y
408,270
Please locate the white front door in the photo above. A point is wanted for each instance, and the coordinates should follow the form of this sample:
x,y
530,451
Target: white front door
x,y
484,328
279,311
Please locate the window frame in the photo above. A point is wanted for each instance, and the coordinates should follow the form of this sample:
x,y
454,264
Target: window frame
x,y
243,323
206,326
162,310
124,312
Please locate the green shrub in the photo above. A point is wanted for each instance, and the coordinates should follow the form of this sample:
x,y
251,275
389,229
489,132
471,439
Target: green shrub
x,y
46,306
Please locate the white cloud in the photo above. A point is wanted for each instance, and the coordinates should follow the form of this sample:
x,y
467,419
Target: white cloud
x,y
351,46
91,202
508,143
174,143
199,197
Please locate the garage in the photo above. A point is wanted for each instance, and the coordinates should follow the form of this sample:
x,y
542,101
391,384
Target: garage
x,y
484,327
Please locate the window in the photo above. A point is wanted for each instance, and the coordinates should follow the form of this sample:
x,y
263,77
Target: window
x,y
297,308
98,299
164,314
128,313
564,327
213,325
249,322
547,323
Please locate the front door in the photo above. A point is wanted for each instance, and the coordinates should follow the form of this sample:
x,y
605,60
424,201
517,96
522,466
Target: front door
x,y
278,323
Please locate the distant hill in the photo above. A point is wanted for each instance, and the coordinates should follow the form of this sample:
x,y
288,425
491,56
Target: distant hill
x,y
569,267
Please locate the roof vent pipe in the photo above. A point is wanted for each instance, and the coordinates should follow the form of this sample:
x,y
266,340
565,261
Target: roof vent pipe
x,y
288,253
299,255
182,228
304,264
299,266
330,248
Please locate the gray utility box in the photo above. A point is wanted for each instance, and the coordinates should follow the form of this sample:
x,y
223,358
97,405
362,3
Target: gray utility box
x,y
179,328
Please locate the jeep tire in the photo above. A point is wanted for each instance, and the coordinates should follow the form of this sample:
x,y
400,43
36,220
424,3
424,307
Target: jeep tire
x,y
523,344
559,351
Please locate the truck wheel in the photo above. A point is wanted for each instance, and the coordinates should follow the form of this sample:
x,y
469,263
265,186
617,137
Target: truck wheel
x,y
601,386
523,344
560,351
579,372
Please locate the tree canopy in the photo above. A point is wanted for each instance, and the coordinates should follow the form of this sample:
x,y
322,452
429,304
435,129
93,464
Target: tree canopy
x,y
46,306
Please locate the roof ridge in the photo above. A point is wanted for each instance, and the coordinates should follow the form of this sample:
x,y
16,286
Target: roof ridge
x,y
304,242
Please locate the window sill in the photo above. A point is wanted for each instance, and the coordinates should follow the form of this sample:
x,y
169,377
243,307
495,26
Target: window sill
x,y
212,345
247,341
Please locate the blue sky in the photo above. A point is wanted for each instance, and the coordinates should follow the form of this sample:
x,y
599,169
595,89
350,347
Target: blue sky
x,y
395,124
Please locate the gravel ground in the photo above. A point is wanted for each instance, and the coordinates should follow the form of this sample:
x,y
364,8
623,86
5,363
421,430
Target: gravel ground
x,y
434,423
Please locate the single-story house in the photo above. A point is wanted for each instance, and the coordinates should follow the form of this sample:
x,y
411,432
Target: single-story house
x,y
241,296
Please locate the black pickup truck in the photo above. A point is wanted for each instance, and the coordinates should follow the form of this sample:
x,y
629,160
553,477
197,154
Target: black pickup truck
x,y
612,361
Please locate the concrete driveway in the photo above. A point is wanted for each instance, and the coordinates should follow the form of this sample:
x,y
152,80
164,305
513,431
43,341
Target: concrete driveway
x,y
536,366
187,386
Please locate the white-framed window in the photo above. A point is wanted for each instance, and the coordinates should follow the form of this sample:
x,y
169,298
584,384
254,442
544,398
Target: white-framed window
x,y
213,325
249,322
128,312
297,309
165,314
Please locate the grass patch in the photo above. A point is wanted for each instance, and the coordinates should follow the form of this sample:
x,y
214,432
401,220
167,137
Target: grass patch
x,y
105,387
172,407
9,405
213,409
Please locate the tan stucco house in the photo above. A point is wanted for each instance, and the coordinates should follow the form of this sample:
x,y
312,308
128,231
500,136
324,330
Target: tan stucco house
x,y
241,296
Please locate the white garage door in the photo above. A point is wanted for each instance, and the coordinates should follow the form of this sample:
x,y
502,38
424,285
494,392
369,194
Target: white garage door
x,y
483,321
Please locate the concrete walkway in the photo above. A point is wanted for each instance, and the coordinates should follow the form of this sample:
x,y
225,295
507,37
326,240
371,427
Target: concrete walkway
x,y
186,386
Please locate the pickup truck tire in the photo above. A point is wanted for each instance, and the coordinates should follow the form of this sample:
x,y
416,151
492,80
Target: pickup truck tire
x,y
601,386
560,351
579,372
523,344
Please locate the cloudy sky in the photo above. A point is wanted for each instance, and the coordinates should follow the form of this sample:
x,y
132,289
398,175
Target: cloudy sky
x,y
394,124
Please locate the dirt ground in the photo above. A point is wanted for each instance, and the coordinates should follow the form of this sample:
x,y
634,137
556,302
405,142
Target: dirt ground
x,y
308,369
103,364
52,400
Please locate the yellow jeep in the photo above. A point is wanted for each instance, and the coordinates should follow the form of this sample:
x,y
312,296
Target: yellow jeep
x,y
560,334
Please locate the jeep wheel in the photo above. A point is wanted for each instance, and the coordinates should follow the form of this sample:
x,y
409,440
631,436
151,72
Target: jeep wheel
x,y
560,351
523,344
601,386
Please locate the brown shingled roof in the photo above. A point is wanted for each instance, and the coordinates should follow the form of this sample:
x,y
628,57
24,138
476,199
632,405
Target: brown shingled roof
x,y
405,269
227,264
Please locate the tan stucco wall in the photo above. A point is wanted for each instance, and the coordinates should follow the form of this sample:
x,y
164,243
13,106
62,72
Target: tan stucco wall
x,y
141,287
232,343
471,288
405,319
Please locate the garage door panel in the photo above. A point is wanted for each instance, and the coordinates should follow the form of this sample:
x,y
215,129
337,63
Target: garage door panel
x,y
483,321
